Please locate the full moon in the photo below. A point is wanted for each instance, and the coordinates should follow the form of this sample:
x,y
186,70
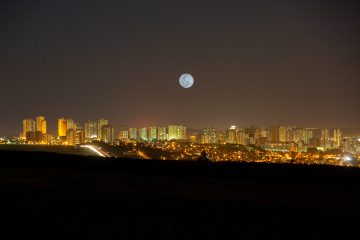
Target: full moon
x,y
186,80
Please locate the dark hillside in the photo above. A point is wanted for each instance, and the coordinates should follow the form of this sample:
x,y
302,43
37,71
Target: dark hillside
x,y
67,196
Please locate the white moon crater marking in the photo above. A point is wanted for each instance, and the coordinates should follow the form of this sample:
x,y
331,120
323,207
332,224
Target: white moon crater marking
x,y
186,80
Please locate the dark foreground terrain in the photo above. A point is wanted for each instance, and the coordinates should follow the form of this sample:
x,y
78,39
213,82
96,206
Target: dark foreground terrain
x,y
48,195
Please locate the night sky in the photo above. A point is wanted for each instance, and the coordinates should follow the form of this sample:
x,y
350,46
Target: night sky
x,y
254,62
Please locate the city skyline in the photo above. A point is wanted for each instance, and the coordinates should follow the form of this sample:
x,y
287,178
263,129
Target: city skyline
x,y
71,132
55,126
254,62
276,144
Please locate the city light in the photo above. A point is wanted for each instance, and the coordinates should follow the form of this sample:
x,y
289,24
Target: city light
x,y
274,144
347,158
94,149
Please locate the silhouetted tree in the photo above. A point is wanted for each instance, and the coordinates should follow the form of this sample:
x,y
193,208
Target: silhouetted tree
x,y
203,157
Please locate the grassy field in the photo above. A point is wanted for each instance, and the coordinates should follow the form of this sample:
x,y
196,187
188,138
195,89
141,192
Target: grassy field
x,y
67,196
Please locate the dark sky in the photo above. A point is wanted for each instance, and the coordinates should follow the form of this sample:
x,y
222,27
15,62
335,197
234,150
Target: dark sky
x,y
254,62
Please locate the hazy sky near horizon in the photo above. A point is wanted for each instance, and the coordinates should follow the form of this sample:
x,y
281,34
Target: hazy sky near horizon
x,y
254,62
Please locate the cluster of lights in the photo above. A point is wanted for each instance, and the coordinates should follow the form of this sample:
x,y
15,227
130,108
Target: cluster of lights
x,y
186,151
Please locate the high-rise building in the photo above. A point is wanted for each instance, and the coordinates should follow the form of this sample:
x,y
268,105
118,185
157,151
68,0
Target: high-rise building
x,y
123,133
208,136
70,124
152,134
28,128
337,138
259,136
161,133
231,135
143,134
41,124
204,136
176,132
91,130
290,133
274,134
278,134
43,127
62,127
351,145
102,122
213,135
133,134
283,133
325,138
71,137
308,135
299,135
80,137
251,134
77,126
222,136
107,132
241,137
